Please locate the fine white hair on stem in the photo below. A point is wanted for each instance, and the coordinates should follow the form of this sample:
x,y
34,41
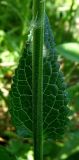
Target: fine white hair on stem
x,y
37,23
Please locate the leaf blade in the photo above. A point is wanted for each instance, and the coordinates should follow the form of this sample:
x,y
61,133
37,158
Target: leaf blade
x,y
69,50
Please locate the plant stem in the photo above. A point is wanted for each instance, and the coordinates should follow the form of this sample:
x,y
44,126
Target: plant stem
x,y
37,77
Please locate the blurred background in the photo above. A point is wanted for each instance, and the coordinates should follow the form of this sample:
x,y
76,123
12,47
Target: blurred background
x,y
15,24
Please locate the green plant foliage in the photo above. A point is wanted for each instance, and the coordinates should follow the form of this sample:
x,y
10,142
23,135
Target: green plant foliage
x,y
21,92
71,145
55,97
69,50
15,23
4,154
18,148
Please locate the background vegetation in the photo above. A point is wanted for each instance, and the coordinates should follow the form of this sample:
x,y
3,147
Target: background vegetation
x,y
15,24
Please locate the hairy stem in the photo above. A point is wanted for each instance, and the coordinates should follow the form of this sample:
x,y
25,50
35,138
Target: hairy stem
x,y
37,77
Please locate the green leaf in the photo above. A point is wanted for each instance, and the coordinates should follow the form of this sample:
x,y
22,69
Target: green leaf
x,y
74,96
71,145
14,146
69,50
21,93
18,148
55,97
73,90
4,154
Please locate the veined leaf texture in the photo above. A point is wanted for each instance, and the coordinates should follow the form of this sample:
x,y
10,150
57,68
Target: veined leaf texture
x,y
55,99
